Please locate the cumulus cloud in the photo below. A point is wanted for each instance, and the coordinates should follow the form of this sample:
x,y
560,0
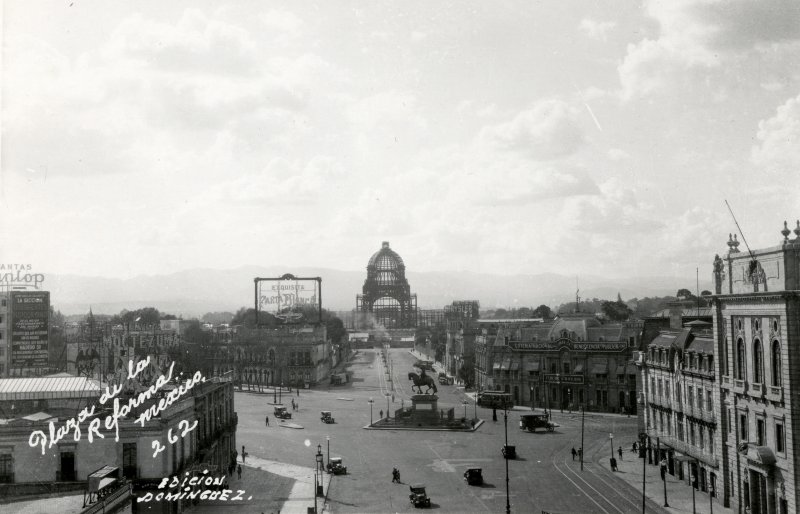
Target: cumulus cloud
x,y
778,150
703,34
548,130
596,29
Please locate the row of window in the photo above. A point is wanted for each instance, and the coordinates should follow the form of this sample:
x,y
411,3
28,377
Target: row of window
x,y
661,389
778,441
686,430
758,374
692,361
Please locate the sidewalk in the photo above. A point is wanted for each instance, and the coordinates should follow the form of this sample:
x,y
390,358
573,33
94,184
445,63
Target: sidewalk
x,y
272,487
679,493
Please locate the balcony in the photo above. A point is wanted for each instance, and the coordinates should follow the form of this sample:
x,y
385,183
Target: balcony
x,y
756,390
690,450
739,386
775,393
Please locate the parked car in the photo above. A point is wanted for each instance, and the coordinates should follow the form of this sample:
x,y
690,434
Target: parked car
x,y
326,417
418,496
509,451
445,380
281,412
531,422
336,467
474,476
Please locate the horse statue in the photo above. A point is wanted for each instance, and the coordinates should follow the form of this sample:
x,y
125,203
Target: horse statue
x,y
422,380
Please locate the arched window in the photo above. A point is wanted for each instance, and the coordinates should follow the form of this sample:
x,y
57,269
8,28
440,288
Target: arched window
x,y
776,363
740,364
758,362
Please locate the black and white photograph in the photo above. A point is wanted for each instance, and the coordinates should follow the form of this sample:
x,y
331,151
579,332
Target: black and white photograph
x,y
354,256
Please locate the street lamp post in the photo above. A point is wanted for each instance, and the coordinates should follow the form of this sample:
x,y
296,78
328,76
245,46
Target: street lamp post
x,y
465,408
505,422
583,417
387,405
370,402
328,438
643,441
694,506
664,478
711,499
319,470
611,439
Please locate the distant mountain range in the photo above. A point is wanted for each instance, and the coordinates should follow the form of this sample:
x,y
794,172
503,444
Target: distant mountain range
x,y
195,292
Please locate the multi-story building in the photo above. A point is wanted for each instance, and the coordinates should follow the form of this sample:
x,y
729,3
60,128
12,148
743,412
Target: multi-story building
x,y
28,405
572,360
5,349
756,313
291,355
679,392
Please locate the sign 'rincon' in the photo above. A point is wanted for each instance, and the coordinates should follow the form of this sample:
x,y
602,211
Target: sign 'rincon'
x,y
285,296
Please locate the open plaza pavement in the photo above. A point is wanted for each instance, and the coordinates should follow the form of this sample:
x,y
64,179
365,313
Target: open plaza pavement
x,y
544,477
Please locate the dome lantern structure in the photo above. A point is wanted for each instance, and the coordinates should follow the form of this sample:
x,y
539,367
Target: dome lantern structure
x,y
386,292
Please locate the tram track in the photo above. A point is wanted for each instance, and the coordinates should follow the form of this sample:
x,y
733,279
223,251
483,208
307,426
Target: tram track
x,y
581,489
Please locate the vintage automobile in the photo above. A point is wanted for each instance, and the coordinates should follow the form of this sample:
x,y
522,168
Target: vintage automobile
x,y
337,379
445,380
509,451
418,496
474,476
335,466
326,417
531,422
281,412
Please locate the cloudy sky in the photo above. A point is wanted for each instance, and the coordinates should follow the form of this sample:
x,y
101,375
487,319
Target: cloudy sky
x,y
507,136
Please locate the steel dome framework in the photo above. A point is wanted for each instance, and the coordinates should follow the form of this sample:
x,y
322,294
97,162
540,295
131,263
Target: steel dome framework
x,y
386,293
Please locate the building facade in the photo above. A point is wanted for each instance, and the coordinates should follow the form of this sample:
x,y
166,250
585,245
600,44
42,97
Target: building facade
x,y
756,313
291,355
680,394
573,360
28,405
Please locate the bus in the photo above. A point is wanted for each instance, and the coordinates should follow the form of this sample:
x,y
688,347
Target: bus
x,y
495,399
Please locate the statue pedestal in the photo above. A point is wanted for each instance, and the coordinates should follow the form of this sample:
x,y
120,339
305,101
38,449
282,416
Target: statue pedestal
x,y
425,409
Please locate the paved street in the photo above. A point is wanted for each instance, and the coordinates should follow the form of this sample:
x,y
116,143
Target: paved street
x,y
543,478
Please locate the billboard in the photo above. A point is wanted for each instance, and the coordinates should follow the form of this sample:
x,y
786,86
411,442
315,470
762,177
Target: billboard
x,y
30,314
284,296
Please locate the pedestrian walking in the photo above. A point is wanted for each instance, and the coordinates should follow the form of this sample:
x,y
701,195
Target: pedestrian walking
x,y
494,414
267,419
298,392
239,470
619,451
574,453
244,454
613,464
634,448
381,413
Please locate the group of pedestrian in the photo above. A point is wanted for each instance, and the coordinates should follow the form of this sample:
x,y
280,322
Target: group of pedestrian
x,y
577,453
295,405
233,465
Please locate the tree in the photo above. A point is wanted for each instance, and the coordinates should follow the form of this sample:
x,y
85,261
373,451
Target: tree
x,y
705,292
684,294
466,373
247,317
616,311
543,311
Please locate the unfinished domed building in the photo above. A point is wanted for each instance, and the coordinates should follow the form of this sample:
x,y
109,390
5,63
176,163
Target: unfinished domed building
x,y
386,293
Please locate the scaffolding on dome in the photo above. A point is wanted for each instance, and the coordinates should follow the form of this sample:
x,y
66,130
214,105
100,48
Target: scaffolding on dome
x,y
386,293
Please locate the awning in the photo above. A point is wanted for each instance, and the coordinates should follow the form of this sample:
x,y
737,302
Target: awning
x,y
600,368
531,366
506,363
578,368
496,366
514,365
631,369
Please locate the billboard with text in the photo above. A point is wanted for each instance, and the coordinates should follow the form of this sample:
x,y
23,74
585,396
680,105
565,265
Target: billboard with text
x,y
284,297
30,313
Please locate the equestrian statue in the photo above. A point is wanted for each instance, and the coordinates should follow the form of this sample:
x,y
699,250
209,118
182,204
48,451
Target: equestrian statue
x,y
422,380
